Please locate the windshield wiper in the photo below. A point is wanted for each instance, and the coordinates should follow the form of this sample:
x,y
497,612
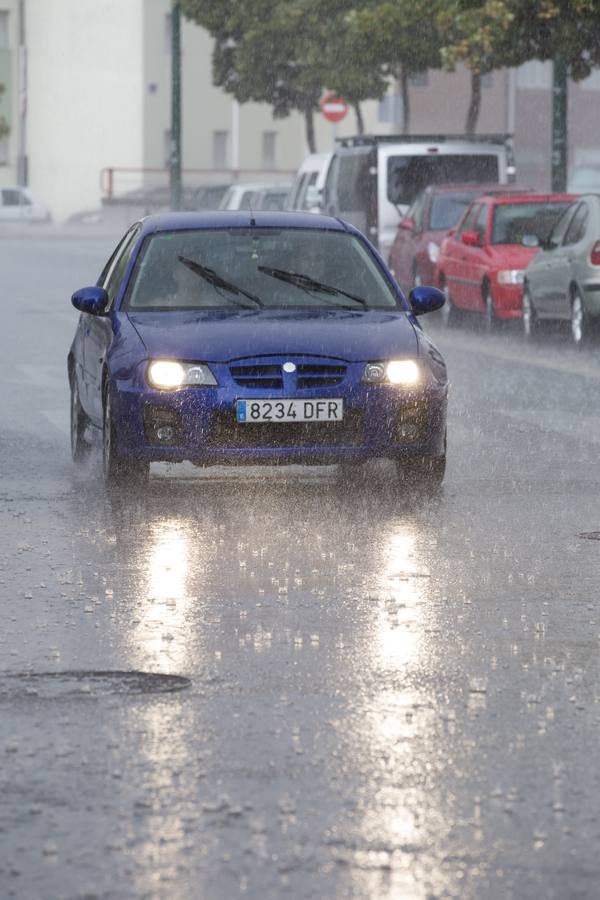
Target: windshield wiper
x,y
217,282
309,284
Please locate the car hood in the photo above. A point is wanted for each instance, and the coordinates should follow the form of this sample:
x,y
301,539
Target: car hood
x,y
219,335
512,256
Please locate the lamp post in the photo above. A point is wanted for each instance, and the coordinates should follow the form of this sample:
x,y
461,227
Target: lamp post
x,y
175,174
559,125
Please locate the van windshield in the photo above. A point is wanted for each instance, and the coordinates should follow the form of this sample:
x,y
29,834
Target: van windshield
x,y
407,175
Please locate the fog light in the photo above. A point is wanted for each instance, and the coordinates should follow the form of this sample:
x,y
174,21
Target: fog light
x,y
165,433
162,425
412,422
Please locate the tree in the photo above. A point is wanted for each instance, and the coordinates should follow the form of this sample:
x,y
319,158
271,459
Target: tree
x,y
284,53
476,35
397,39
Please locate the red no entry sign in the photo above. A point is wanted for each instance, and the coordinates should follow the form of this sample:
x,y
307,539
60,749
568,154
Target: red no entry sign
x,y
334,108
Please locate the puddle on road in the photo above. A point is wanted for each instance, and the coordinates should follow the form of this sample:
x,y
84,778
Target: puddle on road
x,y
58,685
590,535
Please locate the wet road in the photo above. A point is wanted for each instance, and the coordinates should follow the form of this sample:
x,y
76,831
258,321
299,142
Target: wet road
x,y
385,698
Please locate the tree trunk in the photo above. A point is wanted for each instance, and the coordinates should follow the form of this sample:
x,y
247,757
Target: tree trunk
x,y
360,122
310,131
404,92
475,104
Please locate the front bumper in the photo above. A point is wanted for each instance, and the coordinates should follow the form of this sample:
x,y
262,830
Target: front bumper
x,y
508,301
379,421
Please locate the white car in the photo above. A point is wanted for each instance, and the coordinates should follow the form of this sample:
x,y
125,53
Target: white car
x,y
241,196
18,204
307,190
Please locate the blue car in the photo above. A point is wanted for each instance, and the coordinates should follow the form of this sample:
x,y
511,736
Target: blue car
x,y
245,338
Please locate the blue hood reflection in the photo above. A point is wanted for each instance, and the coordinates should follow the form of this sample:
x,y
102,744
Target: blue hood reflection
x,y
219,335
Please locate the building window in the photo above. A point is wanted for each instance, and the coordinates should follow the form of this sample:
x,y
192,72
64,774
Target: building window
x,y
419,79
269,140
220,150
487,80
390,109
534,75
3,30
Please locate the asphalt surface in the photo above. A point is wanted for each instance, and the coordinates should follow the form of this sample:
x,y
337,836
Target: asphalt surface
x,y
371,696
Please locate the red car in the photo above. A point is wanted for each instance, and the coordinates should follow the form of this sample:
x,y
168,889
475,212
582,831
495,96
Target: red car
x,y
436,209
482,263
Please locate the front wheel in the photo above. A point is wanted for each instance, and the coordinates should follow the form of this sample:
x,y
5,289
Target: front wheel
x,y
449,312
581,330
114,467
424,473
531,323
490,321
80,449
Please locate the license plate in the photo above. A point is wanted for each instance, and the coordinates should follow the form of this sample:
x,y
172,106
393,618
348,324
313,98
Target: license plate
x,y
249,411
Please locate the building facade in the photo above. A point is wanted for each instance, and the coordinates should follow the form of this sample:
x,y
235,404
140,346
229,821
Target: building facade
x,y
86,108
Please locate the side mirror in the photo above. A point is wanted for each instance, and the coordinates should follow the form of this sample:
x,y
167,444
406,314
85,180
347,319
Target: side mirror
x,y
91,300
408,224
530,240
471,238
424,299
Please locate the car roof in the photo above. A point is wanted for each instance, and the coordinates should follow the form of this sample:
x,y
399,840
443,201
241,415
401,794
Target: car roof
x,y
182,221
532,197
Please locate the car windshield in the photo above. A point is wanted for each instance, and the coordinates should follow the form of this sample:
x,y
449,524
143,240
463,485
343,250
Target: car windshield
x,y
275,268
447,208
408,175
512,221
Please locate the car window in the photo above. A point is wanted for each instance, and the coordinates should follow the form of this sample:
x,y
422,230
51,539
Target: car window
x,y
470,219
407,175
227,268
577,225
14,197
121,260
562,223
308,196
481,221
416,211
299,191
447,208
512,221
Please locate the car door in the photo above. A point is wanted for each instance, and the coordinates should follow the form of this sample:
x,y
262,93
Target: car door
x,y
98,329
540,280
475,260
461,273
402,254
564,258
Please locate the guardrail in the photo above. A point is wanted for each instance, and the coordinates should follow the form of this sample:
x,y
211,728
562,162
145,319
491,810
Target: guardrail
x,y
130,185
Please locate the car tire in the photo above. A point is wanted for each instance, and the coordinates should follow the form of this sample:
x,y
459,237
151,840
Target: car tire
x,y
80,449
581,327
424,474
449,313
115,468
530,320
490,320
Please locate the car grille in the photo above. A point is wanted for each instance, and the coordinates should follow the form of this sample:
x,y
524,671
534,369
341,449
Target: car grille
x,y
318,375
270,377
258,376
225,432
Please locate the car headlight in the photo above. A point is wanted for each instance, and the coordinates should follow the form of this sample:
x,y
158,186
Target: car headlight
x,y
433,251
397,371
511,276
168,375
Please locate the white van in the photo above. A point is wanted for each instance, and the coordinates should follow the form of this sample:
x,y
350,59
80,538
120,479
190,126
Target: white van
x,y
372,180
307,188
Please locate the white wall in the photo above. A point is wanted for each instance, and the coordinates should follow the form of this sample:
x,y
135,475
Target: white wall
x,y
85,97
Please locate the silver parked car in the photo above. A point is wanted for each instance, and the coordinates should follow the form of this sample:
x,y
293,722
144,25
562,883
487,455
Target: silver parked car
x,y
562,282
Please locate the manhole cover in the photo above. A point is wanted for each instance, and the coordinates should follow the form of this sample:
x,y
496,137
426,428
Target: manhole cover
x,y
590,535
55,685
